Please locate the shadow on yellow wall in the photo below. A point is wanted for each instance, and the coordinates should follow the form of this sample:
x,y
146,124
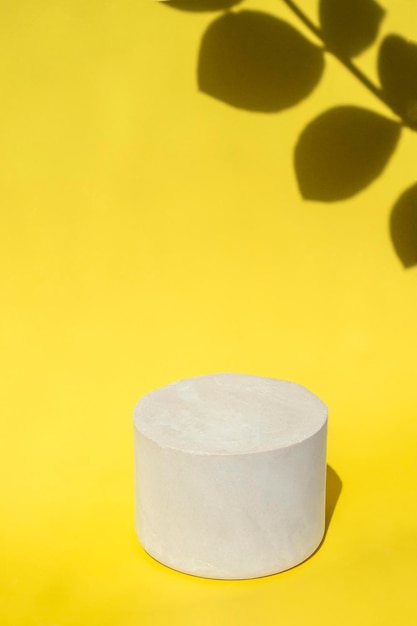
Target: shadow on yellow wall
x,y
254,61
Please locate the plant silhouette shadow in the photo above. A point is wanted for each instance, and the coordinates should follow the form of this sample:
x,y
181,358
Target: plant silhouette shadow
x,y
257,62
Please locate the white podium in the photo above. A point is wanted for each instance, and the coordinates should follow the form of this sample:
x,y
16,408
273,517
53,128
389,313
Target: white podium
x,y
230,474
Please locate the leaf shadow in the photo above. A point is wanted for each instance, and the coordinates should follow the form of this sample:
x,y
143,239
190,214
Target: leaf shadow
x,y
403,227
349,26
257,62
342,151
397,68
201,6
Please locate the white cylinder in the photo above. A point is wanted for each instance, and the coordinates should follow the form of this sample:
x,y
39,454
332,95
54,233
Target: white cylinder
x,y
230,475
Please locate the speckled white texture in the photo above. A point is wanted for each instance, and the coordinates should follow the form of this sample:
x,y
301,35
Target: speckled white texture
x,y
230,475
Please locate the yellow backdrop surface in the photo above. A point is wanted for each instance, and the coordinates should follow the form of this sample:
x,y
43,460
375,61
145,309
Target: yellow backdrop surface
x,y
151,232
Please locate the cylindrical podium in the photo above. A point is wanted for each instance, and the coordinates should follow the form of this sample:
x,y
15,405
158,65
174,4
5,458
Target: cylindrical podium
x,y
230,475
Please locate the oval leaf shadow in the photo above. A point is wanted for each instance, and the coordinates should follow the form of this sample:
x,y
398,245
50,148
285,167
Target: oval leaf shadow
x,y
349,26
397,67
342,151
256,62
200,6
403,226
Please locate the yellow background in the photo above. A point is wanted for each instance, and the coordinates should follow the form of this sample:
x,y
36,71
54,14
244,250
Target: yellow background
x,y
150,233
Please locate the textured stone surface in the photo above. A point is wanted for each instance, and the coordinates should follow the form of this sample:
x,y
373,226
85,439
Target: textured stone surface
x,y
230,475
